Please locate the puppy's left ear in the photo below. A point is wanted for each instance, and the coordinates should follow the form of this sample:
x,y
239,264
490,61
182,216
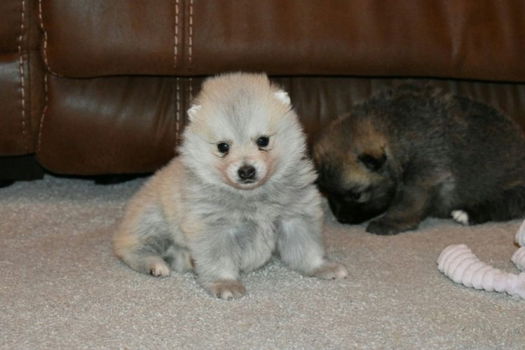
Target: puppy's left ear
x,y
282,96
192,111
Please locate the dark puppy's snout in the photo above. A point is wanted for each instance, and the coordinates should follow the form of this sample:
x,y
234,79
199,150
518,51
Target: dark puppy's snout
x,y
246,172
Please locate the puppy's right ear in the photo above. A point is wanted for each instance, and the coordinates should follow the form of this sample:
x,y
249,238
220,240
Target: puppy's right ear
x,y
192,111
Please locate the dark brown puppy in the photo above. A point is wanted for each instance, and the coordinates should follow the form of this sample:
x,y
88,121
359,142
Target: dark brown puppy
x,y
413,152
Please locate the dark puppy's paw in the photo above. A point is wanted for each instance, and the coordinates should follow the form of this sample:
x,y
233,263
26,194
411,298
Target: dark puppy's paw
x,y
387,227
381,228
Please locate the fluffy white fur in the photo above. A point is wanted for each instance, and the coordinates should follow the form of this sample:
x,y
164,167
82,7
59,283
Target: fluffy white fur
x,y
198,214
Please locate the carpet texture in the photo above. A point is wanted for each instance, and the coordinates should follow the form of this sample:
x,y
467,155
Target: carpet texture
x,y
61,287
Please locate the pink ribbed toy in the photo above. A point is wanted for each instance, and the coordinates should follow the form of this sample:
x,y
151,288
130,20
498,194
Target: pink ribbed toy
x,y
461,265
519,256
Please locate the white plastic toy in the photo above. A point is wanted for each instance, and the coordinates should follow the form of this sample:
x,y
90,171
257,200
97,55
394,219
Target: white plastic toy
x,y
461,265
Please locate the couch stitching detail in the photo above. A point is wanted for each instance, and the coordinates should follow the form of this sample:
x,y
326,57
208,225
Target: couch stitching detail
x,y
44,111
190,101
44,31
190,39
22,75
176,36
191,91
177,112
46,89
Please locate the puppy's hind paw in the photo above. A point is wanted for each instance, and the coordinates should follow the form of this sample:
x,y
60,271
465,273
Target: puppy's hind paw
x,y
460,216
331,271
226,289
386,227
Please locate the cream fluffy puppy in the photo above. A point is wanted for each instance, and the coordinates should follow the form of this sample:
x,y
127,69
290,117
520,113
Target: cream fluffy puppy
x,y
241,190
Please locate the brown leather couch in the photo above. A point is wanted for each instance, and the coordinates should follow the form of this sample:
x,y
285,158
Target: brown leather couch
x,y
91,87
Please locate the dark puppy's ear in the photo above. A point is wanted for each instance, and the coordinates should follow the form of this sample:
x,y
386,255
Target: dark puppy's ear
x,y
371,162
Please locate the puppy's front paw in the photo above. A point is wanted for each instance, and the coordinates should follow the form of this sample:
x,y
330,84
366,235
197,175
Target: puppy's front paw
x,y
159,269
331,271
386,227
226,289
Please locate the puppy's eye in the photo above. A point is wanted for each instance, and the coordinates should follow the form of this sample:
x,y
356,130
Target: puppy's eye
x,y
262,141
223,147
371,162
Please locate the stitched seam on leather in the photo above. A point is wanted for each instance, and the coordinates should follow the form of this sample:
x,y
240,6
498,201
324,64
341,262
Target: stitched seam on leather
x,y
176,36
190,36
177,112
44,110
191,92
21,72
189,102
44,31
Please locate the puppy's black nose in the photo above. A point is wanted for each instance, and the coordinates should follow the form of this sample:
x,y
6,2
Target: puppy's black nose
x,y
246,172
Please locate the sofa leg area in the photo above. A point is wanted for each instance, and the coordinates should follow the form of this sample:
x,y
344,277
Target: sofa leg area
x,y
6,183
15,168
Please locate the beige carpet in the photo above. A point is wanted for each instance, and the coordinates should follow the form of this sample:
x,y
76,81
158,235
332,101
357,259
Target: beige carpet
x,y
61,288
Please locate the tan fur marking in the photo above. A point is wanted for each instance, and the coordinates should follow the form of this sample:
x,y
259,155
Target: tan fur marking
x,y
366,139
123,242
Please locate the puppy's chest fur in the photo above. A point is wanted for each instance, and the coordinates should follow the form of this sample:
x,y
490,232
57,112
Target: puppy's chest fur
x,y
248,225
